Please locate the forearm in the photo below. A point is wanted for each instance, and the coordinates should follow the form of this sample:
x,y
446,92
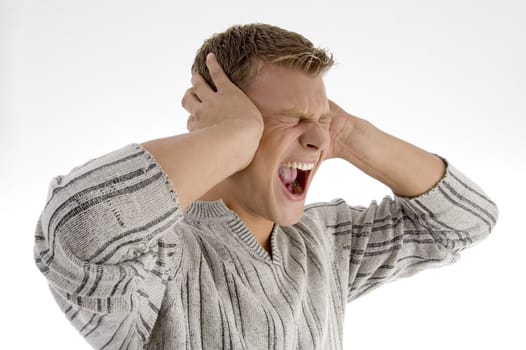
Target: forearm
x,y
408,170
197,161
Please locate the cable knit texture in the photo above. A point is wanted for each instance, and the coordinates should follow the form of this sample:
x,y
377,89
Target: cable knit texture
x,y
131,270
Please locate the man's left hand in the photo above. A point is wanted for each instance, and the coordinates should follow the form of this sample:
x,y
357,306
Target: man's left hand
x,y
340,128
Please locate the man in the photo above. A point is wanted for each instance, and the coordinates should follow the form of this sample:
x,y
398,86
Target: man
x,y
202,240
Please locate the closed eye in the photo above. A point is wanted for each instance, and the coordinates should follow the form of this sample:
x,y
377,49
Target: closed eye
x,y
291,120
324,120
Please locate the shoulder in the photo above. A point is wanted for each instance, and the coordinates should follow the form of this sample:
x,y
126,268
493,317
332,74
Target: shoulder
x,y
329,213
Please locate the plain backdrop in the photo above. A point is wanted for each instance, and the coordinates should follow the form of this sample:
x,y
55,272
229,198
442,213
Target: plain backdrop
x,y
81,78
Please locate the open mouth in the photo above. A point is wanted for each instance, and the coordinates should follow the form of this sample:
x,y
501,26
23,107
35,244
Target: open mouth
x,y
294,176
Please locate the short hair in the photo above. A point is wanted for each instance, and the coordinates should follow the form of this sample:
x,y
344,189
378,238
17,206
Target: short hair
x,y
242,49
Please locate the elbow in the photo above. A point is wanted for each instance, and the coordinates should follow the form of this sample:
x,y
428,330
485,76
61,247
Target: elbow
x,y
483,224
488,219
469,229
494,211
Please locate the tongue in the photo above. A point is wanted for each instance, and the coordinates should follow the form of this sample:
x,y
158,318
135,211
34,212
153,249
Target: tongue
x,y
287,175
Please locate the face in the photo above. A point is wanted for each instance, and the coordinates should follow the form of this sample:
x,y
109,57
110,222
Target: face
x,y
295,110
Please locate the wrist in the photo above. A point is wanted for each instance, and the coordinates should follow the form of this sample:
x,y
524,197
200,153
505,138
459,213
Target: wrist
x,y
246,133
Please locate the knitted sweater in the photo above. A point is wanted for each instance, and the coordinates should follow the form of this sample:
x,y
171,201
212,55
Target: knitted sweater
x,y
131,270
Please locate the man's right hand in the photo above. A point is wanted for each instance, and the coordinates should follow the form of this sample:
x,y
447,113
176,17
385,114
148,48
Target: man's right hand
x,y
225,129
227,106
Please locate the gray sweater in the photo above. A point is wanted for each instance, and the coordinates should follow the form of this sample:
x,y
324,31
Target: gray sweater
x,y
131,270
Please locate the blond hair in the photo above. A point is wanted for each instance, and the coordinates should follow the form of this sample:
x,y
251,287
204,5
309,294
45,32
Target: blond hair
x,y
242,49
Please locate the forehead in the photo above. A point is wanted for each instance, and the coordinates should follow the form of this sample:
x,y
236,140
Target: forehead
x,y
276,89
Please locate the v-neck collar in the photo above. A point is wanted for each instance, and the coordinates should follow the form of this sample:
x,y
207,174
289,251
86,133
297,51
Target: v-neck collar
x,y
217,210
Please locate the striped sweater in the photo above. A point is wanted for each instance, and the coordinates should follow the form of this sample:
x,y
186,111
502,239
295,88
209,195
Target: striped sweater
x,y
131,270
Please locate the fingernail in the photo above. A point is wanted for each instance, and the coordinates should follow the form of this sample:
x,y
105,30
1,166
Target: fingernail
x,y
210,54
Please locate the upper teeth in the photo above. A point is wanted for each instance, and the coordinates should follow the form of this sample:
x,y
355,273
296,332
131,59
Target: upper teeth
x,y
299,165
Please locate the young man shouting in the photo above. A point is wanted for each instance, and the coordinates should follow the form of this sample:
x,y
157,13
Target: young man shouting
x,y
203,240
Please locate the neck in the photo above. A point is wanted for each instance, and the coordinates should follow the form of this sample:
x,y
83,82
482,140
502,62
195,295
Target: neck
x,y
259,226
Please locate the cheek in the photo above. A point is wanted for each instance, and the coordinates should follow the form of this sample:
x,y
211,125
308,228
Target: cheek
x,y
278,141
275,130
280,137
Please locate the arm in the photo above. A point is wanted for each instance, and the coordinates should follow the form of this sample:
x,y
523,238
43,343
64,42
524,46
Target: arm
x,y
105,240
408,170
402,236
436,213
105,246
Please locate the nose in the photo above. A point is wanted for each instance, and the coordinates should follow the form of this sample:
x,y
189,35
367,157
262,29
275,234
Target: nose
x,y
315,137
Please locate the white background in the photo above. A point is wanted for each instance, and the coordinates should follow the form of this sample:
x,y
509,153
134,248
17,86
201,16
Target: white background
x,y
79,79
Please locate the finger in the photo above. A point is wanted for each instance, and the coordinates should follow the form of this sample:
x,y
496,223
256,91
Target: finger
x,y
201,87
190,101
217,74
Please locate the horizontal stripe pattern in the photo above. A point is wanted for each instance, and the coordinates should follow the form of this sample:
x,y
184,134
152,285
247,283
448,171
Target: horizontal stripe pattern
x,y
402,236
130,270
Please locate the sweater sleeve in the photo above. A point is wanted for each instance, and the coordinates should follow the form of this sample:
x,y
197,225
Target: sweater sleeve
x,y
105,243
402,236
